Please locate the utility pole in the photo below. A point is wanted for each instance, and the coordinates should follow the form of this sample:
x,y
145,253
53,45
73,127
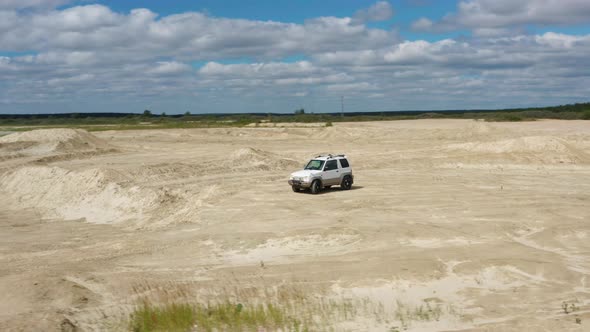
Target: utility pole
x,y
342,106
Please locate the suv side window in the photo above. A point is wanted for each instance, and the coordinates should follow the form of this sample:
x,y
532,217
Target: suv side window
x,y
331,165
344,163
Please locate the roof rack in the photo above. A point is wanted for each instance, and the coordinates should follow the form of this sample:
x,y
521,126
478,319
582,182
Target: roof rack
x,y
330,156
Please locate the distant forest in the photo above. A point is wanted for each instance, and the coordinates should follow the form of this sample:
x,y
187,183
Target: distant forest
x,y
147,119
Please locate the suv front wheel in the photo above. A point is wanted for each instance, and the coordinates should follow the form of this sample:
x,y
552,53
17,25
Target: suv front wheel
x,y
315,187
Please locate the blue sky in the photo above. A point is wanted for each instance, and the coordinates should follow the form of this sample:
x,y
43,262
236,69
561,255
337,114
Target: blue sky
x,y
277,56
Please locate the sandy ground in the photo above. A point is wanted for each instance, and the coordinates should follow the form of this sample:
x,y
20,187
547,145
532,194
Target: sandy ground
x,y
490,222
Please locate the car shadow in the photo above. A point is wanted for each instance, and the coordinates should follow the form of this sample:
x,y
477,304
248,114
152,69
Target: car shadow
x,y
332,190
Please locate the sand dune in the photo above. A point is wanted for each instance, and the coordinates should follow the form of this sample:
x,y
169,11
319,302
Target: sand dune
x,y
109,196
542,149
52,144
256,159
56,140
95,195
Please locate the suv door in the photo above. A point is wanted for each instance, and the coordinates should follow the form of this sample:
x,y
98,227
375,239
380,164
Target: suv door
x,y
331,174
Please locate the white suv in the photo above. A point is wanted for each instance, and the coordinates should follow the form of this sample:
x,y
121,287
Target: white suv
x,y
323,171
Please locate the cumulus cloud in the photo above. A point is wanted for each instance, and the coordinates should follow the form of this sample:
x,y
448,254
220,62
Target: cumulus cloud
x,y
496,15
422,24
496,32
522,51
273,73
267,70
519,69
68,80
170,68
31,4
190,35
380,11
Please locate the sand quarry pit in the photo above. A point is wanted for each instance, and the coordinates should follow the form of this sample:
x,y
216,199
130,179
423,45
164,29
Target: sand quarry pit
x,y
452,225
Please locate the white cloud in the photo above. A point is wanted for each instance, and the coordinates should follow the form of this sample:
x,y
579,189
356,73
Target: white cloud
x,y
561,41
69,80
380,11
189,35
28,4
501,14
78,19
273,73
417,52
351,88
422,24
496,32
254,70
170,68
549,49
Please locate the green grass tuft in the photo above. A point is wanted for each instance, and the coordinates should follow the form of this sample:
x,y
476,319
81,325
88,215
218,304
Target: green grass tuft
x,y
172,317
224,316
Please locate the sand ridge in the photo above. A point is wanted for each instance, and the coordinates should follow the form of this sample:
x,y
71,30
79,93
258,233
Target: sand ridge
x,y
108,196
543,149
46,145
57,140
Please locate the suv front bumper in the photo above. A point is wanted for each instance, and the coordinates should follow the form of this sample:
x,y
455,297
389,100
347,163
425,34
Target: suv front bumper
x,y
298,183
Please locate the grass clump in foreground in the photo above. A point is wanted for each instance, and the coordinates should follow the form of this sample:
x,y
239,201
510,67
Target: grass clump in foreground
x,y
405,315
217,317
231,316
288,307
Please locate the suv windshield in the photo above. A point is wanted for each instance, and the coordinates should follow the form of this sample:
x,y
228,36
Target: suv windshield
x,y
315,165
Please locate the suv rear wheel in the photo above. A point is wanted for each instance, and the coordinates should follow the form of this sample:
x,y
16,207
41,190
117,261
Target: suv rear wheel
x,y
315,187
346,183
